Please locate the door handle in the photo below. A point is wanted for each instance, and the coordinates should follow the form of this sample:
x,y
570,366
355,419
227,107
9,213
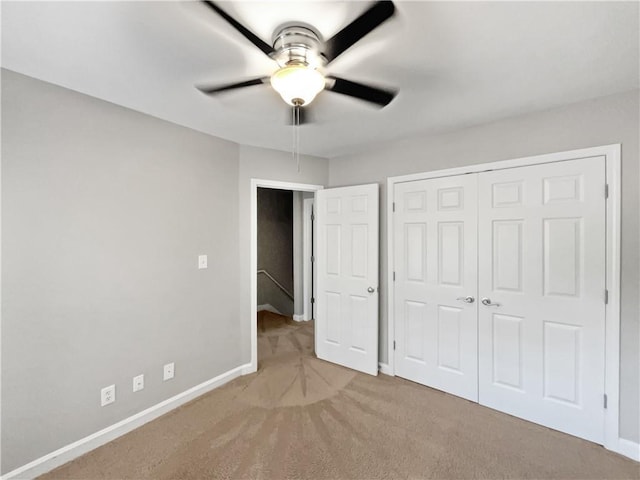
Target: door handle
x,y
466,299
371,289
487,302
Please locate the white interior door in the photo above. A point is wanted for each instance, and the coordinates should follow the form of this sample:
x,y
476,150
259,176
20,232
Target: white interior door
x,y
347,264
542,266
435,258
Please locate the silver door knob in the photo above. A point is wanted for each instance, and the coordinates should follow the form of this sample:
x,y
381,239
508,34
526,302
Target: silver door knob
x,y
466,299
371,289
487,302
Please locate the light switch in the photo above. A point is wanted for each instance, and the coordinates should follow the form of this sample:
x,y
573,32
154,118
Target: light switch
x,y
202,261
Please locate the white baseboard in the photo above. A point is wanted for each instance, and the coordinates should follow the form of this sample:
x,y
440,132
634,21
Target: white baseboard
x,y
74,450
629,449
385,368
300,318
269,308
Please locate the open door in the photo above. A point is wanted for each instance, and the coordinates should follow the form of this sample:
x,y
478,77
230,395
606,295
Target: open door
x,y
347,273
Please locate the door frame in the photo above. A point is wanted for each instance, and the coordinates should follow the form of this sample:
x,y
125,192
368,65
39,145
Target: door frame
x,y
308,206
253,263
612,154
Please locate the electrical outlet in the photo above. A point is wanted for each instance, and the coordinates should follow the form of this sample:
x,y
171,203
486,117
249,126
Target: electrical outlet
x,y
202,261
138,383
168,371
107,395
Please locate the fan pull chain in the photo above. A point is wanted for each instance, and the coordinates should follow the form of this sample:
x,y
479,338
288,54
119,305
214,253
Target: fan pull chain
x,y
295,151
298,137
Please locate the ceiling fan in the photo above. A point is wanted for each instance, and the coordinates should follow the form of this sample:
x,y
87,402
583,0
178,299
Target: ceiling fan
x,y
302,56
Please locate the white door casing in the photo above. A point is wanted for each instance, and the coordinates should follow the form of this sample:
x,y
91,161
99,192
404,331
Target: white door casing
x,y
435,251
542,260
347,277
307,256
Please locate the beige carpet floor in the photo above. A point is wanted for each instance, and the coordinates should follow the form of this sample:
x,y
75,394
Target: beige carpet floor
x,y
300,417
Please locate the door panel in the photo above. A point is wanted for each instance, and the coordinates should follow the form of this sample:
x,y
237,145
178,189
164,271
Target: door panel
x,y
507,255
506,336
542,265
435,251
347,262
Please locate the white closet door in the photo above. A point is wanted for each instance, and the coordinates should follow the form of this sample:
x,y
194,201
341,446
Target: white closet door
x,y
347,292
435,250
542,266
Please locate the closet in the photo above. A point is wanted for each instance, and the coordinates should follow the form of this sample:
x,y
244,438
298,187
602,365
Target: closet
x,y
499,289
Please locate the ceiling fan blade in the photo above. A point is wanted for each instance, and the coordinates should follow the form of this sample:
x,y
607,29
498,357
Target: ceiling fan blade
x,y
248,34
231,86
365,23
359,90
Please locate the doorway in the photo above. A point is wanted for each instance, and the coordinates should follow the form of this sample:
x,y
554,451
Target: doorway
x,y
279,252
269,278
345,274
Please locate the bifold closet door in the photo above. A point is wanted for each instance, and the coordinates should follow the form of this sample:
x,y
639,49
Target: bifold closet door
x,y
542,275
435,248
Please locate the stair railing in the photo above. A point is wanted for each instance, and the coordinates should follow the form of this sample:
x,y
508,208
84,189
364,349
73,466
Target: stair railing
x,y
276,282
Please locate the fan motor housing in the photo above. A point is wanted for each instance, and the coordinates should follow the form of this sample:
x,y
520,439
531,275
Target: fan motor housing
x,y
297,45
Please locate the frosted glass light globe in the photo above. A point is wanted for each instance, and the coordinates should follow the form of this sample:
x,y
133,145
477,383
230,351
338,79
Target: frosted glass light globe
x,y
297,84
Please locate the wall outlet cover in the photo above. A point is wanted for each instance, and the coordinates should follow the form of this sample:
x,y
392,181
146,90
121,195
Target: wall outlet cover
x,y
138,383
168,371
107,395
202,261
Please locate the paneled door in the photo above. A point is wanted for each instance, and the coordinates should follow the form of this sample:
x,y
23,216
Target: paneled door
x,y
541,288
435,257
347,264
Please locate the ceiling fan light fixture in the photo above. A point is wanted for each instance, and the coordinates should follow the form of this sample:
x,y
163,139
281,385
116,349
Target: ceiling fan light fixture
x,y
298,84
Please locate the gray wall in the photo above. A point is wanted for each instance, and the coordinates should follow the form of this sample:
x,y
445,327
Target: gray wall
x,y
298,260
298,252
607,120
104,212
275,247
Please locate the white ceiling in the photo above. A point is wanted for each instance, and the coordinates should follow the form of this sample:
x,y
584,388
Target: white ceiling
x,y
455,64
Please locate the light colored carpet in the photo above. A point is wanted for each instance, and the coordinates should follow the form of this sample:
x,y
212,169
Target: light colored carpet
x,y
300,417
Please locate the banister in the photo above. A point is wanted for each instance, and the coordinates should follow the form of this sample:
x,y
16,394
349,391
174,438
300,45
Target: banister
x,y
277,283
